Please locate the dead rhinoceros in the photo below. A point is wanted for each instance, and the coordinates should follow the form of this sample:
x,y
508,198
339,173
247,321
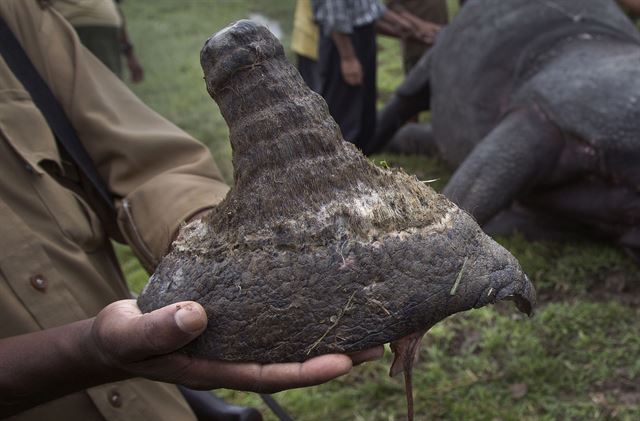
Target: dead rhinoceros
x,y
537,101
315,250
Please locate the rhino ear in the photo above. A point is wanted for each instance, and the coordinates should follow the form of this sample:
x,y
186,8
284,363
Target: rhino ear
x,y
512,157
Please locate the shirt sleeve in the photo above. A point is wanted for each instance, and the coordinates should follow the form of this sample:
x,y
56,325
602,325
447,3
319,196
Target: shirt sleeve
x,y
159,175
333,16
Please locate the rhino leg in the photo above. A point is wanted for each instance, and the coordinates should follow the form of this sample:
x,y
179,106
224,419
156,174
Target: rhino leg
x,y
411,97
611,209
535,224
393,116
514,156
414,139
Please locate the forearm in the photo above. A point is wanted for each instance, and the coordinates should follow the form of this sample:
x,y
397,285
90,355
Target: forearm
x,y
383,28
350,66
343,45
393,24
406,25
41,366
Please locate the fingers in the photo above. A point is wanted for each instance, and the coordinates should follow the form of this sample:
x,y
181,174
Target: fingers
x,y
353,80
276,377
143,345
422,30
366,355
352,77
126,335
252,377
269,378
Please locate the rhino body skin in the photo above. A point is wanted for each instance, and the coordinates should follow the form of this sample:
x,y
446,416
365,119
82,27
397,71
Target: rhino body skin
x,y
315,250
534,101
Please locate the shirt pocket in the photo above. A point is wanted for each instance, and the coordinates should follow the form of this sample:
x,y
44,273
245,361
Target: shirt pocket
x,y
39,289
28,133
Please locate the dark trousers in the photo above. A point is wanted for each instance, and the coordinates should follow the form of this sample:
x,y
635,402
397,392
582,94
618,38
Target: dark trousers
x,y
308,69
353,107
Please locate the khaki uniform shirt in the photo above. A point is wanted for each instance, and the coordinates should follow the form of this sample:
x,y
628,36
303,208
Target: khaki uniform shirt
x,y
56,263
89,12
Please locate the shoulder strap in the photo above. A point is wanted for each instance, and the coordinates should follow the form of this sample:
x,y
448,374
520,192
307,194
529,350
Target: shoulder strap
x,y
23,69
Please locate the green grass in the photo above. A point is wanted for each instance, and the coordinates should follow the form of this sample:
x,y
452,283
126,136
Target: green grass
x,y
577,358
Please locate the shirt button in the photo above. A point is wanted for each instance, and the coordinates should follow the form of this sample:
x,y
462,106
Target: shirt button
x,y
114,399
39,282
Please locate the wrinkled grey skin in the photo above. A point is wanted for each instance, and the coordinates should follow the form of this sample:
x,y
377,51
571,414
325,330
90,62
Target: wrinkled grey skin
x,y
534,101
315,250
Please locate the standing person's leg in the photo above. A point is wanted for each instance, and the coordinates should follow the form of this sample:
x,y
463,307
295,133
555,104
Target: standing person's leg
x,y
308,69
344,101
365,46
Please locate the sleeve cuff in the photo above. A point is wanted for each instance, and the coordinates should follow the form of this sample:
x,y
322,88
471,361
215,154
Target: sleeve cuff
x,y
149,218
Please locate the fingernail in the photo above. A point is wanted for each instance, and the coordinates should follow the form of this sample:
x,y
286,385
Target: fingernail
x,y
189,319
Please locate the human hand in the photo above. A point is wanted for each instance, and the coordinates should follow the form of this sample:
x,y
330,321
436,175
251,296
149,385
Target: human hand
x,y
351,71
399,25
427,32
143,345
423,30
136,71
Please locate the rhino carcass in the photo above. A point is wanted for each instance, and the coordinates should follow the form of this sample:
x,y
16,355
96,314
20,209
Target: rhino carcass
x,y
536,101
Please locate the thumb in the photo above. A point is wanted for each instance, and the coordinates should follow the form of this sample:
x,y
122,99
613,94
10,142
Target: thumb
x,y
131,336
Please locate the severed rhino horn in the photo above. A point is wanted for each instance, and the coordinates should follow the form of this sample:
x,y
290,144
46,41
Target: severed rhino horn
x,y
315,250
